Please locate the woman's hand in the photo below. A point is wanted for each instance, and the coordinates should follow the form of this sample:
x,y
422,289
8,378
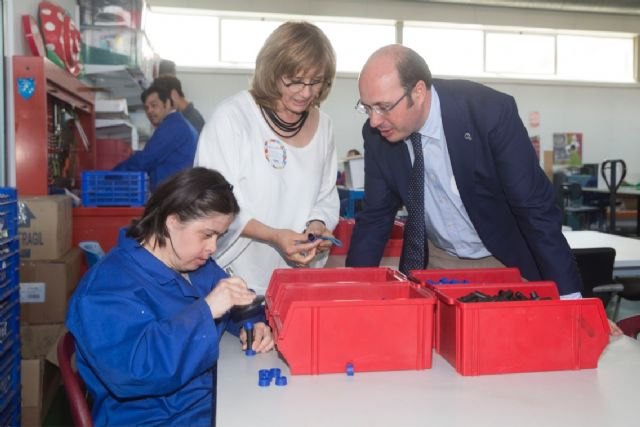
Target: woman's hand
x,y
317,228
227,293
295,247
262,338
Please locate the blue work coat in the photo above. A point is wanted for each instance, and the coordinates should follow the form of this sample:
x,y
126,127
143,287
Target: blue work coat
x,y
147,344
170,149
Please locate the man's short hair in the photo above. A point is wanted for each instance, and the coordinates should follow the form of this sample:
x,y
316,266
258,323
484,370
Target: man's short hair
x,y
169,82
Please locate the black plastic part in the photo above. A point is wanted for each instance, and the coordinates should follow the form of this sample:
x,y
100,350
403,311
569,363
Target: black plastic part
x,y
240,313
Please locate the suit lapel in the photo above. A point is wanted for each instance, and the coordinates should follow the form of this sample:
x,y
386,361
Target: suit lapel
x,y
462,141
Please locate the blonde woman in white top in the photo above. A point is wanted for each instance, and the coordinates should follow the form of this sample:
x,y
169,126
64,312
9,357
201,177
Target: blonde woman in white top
x,y
277,149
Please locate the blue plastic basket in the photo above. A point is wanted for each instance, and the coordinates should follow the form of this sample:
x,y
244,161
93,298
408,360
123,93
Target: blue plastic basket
x,y
107,188
8,212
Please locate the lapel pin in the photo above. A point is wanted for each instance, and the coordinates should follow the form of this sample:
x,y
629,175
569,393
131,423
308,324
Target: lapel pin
x,y
467,136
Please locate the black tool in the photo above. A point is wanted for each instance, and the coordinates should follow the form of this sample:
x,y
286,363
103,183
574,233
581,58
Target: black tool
x,y
240,313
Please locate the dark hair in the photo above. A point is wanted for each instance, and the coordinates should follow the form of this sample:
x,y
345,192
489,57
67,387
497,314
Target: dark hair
x,y
191,194
170,83
411,69
163,93
166,66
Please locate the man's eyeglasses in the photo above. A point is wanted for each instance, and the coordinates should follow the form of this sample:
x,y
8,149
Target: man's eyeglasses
x,y
380,110
299,85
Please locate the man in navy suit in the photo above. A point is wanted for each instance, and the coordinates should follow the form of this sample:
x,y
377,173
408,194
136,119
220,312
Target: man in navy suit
x,y
487,202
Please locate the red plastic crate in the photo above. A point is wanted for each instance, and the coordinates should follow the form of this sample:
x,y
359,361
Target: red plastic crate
x,y
475,276
471,275
322,327
520,336
283,276
344,230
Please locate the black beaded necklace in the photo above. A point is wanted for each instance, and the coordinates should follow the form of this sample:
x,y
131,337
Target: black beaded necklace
x,y
290,129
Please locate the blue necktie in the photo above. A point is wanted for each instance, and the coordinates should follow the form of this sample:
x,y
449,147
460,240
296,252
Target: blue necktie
x,y
413,253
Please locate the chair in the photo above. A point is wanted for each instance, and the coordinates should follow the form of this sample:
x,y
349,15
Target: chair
x,y
596,269
630,326
578,215
73,384
631,291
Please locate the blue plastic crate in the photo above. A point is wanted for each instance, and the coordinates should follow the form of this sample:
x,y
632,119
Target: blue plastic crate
x,y
8,212
9,375
108,188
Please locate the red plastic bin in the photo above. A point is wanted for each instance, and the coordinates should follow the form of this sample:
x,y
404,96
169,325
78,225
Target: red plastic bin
x,y
520,336
344,230
323,327
471,275
474,276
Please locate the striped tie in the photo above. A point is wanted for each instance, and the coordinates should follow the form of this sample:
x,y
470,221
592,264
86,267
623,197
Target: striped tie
x,y
413,254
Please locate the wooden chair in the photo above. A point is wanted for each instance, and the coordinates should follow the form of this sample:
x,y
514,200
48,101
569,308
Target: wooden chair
x,y
73,384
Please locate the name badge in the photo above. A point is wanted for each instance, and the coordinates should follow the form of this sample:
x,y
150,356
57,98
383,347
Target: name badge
x,y
276,153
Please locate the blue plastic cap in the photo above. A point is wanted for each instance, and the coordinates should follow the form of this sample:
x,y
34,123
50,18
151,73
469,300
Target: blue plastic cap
x,y
264,373
264,382
275,372
248,325
281,381
250,352
350,371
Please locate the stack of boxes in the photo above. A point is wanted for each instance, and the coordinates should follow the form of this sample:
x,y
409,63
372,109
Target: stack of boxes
x,y
50,269
9,311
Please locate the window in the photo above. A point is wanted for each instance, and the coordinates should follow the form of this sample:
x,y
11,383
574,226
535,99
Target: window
x,y
242,39
171,32
520,53
595,58
352,52
448,51
233,39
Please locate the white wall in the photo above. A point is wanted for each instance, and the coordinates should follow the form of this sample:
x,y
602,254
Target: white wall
x,y
607,116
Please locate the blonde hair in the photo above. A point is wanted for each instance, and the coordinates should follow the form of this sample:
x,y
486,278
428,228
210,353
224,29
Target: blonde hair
x,y
293,47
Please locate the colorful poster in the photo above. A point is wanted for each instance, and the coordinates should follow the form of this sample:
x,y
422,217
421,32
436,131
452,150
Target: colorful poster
x,y
567,148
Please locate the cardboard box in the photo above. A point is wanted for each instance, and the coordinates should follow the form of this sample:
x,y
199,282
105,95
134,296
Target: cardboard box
x,y
46,286
44,225
40,376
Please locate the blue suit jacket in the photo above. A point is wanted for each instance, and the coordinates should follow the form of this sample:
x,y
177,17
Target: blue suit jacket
x,y
510,201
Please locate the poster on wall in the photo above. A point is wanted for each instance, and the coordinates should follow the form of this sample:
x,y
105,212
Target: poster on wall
x,y
567,148
535,141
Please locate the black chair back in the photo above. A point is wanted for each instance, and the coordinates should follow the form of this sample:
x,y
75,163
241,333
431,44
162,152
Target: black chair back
x,y
596,268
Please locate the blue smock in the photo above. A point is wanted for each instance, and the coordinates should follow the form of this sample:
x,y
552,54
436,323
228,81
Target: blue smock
x,y
147,344
170,149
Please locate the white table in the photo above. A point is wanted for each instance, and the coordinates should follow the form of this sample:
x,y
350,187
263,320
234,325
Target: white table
x,y
627,262
606,396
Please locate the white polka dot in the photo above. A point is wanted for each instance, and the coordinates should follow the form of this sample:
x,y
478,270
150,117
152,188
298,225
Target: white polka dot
x,y
45,11
49,26
51,46
60,17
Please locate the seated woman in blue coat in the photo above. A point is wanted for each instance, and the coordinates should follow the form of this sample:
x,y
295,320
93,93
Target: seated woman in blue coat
x,y
148,318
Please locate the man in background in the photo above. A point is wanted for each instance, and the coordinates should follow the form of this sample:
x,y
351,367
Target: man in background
x,y
172,146
186,108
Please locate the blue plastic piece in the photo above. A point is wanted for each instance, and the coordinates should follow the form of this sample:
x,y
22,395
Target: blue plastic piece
x,y
264,382
275,373
281,381
350,370
249,351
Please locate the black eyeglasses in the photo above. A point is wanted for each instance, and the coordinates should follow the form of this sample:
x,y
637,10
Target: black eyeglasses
x,y
380,110
299,85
